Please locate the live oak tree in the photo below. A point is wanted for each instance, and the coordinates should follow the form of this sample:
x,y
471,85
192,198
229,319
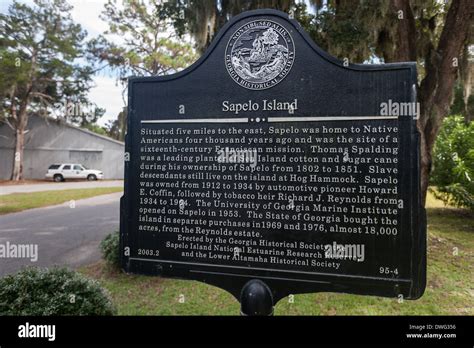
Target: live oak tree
x,y
40,46
203,18
435,34
441,58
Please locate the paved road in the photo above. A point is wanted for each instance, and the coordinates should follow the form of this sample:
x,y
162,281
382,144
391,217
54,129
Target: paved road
x,y
54,186
64,235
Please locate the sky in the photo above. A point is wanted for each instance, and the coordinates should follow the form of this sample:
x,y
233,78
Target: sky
x,y
107,92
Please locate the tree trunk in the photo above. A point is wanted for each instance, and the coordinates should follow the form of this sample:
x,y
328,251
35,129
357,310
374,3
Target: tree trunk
x,y
425,166
466,73
20,131
17,172
405,33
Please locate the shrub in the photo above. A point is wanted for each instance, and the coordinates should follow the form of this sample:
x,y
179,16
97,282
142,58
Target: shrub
x,y
453,163
56,291
110,249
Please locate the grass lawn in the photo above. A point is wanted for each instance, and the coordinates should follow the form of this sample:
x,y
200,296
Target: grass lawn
x,y
21,201
449,291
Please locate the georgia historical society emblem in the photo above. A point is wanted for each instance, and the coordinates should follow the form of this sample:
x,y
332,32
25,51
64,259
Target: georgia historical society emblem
x,y
259,54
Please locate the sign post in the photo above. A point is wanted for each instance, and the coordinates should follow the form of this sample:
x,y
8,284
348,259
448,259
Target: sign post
x,y
270,168
256,299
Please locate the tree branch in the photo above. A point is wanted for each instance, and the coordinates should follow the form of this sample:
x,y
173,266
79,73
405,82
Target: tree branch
x,y
42,95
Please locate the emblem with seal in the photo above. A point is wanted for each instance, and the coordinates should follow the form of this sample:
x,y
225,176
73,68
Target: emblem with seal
x,y
259,54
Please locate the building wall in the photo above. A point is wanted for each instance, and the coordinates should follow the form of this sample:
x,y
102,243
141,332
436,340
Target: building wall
x,y
49,141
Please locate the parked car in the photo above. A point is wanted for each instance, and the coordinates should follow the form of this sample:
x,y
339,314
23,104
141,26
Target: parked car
x,y
61,172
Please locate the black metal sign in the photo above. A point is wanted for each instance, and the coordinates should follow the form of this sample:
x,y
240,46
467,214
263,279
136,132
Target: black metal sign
x,y
270,160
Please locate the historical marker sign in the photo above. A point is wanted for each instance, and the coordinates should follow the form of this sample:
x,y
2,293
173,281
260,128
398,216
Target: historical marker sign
x,y
269,159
